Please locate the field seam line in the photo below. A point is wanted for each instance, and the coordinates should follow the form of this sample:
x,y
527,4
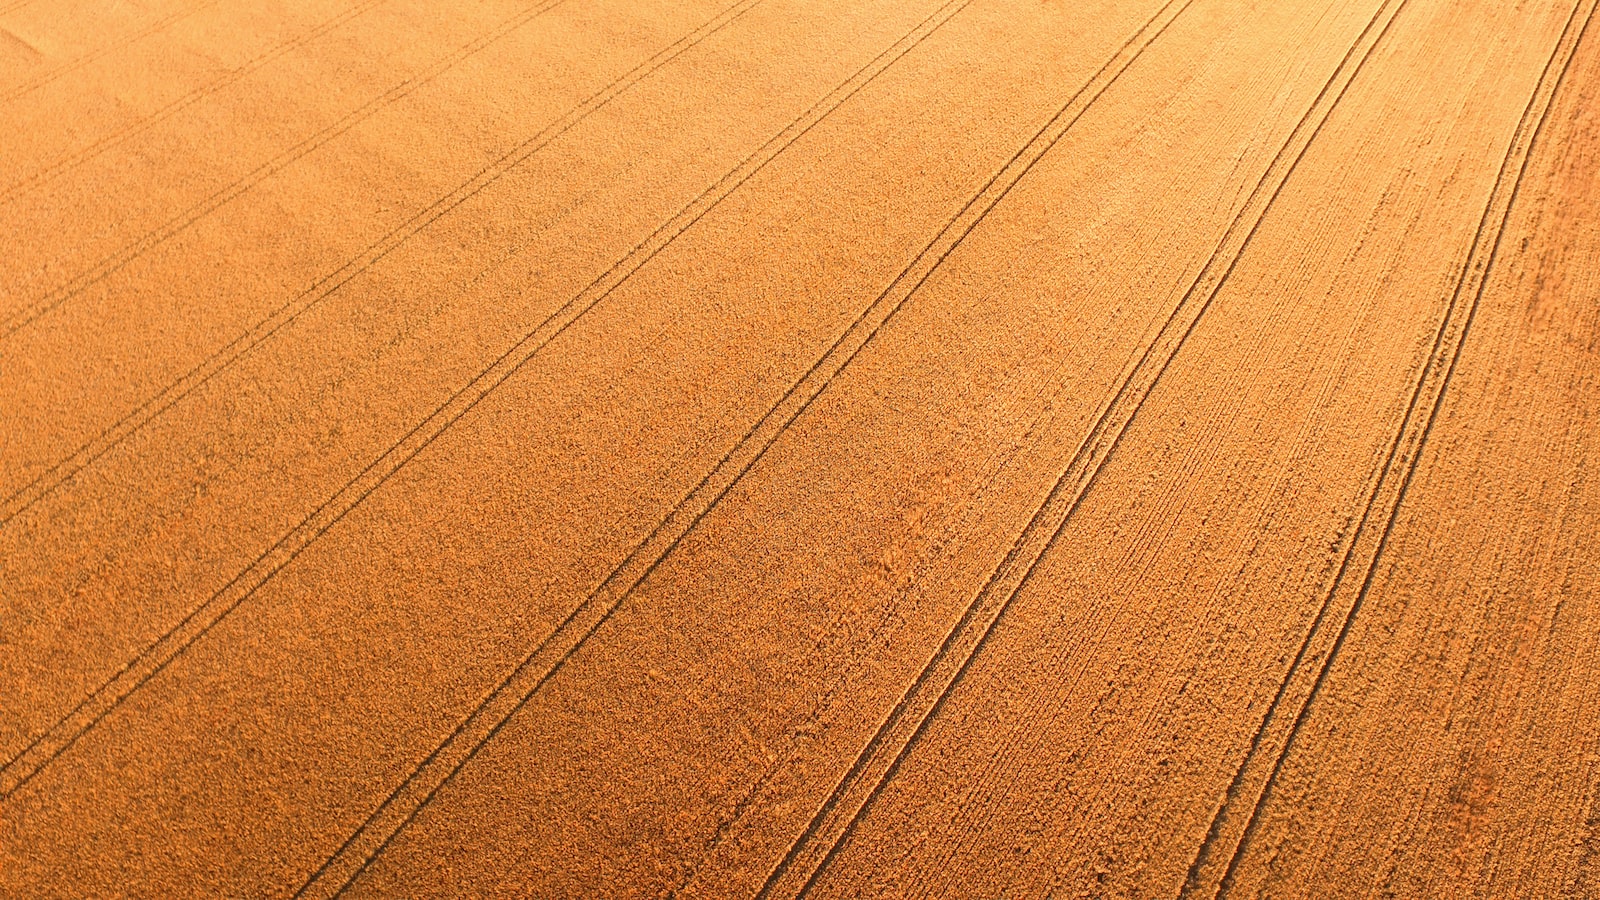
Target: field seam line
x,y
15,771
74,158
116,261
1405,453
66,68
877,763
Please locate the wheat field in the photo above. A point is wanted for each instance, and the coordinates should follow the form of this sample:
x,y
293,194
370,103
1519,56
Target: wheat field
x,y
780,448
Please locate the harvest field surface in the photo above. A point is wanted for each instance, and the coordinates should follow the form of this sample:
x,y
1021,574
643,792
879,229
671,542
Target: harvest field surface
x,y
779,448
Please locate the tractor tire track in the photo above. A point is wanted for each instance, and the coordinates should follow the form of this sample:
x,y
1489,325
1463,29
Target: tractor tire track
x,y
1321,646
66,163
45,78
835,821
196,623
544,661
9,781
175,226
263,330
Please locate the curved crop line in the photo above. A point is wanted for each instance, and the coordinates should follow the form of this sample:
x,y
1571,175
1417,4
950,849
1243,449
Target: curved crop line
x,y
1446,353
802,862
220,198
71,160
88,711
46,77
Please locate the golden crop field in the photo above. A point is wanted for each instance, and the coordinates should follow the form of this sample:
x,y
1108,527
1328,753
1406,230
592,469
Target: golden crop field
x,y
800,448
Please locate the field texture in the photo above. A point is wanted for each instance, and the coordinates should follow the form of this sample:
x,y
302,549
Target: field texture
x,y
778,448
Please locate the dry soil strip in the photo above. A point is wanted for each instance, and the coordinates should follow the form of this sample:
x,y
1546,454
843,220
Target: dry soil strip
x,y
72,160
883,755
546,659
18,770
1304,680
263,330
182,222
47,77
